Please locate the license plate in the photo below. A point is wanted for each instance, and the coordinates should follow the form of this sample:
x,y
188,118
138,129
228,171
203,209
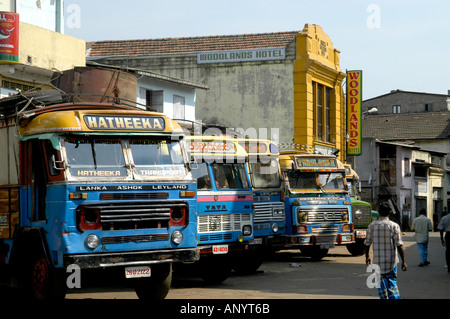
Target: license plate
x,y
258,241
326,246
360,234
346,238
220,249
137,272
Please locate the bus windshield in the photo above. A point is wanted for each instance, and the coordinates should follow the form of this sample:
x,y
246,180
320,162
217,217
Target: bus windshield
x,y
265,175
352,185
200,172
161,158
107,158
315,181
230,176
95,158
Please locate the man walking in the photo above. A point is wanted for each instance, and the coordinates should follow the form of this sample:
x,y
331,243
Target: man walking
x,y
386,238
422,225
444,226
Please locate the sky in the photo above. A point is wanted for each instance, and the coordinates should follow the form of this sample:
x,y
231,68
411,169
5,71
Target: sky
x,y
398,44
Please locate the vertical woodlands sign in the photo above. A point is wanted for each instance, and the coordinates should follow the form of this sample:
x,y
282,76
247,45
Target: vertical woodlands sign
x,y
354,100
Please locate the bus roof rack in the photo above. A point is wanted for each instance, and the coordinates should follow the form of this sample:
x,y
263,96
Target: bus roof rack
x,y
13,105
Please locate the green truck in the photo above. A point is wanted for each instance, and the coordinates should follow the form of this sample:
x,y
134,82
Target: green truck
x,y
361,212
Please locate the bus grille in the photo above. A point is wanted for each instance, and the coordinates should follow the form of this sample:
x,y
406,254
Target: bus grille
x,y
134,238
264,212
136,215
366,215
223,222
325,216
325,229
215,237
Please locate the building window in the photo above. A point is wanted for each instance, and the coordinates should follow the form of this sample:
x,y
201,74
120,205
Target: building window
x,y
154,100
428,107
407,167
321,111
178,107
396,109
436,161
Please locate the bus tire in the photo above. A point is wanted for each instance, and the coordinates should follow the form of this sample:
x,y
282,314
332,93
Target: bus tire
x,y
314,252
41,281
215,270
356,249
157,286
249,263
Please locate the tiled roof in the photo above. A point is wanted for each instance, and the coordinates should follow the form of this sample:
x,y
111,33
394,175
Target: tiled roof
x,y
192,44
408,126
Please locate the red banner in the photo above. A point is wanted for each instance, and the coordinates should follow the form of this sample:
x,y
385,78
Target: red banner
x,y
9,37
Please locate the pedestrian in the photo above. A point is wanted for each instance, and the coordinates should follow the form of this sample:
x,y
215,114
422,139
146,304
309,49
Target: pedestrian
x,y
444,226
435,220
386,238
422,225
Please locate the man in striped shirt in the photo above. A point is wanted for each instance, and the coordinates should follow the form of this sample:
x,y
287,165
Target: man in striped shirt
x,y
386,238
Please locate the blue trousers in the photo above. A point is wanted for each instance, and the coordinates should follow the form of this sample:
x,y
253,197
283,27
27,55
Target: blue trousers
x,y
423,251
388,285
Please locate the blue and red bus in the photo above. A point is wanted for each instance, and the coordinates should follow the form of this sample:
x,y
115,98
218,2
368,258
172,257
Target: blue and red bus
x,y
225,215
93,186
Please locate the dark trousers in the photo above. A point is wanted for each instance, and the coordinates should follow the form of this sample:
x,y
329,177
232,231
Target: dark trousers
x,y
447,249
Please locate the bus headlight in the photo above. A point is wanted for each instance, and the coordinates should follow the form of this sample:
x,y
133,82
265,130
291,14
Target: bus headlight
x,y
275,227
177,237
302,217
358,214
92,241
247,230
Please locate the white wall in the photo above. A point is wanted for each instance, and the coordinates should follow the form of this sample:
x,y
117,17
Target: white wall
x,y
169,90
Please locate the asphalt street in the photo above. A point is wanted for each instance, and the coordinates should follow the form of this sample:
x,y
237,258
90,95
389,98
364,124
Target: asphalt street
x,y
289,275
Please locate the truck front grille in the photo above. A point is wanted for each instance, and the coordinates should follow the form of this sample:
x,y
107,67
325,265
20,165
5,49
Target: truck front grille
x,y
223,222
264,212
366,215
325,216
136,215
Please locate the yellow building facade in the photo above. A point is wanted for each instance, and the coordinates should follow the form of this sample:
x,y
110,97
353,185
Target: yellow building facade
x,y
319,101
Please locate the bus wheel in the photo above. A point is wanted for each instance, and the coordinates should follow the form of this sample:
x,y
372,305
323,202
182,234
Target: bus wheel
x,y
215,270
314,252
44,282
157,286
249,263
356,249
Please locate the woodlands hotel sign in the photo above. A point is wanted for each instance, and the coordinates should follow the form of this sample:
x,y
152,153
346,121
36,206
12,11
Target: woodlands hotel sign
x,y
241,55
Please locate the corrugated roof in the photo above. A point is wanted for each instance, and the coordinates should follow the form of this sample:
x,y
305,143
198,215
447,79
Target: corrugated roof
x,y
191,44
408,126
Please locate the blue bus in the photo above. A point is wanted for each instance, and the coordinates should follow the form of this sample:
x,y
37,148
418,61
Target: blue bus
x,y
225,198
94,186
268,198
317,203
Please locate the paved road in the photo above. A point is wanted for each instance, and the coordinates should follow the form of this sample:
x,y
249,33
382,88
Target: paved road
x,y
289,275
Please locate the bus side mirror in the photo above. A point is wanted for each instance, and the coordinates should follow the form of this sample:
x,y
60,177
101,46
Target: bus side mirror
x,y
58,162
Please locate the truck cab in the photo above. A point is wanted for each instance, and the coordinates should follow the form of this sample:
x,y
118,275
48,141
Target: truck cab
x,y
225,215
93,186
317,203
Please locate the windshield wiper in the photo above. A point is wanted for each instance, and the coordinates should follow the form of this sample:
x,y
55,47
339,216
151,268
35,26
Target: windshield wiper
x,y
94,153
